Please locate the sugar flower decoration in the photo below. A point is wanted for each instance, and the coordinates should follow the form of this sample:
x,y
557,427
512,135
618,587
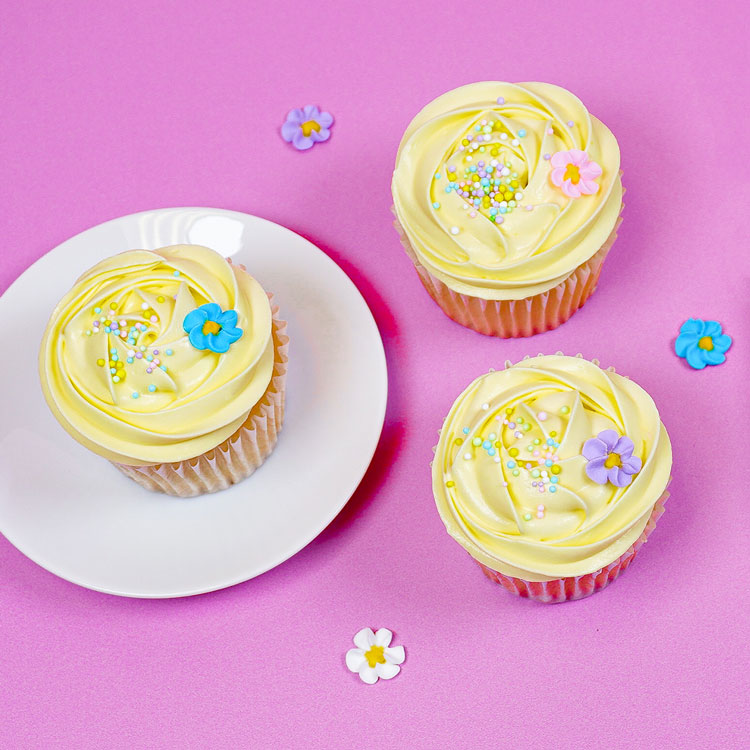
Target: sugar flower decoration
x,y
208,327
574,173
307,126
610,459
373,657
701,343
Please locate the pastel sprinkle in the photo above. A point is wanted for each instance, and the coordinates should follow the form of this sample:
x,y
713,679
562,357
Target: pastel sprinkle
x,y
152,387
134,394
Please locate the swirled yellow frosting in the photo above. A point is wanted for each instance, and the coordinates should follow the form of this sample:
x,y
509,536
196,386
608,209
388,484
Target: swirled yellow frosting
x,y
473,188
118,369
510,479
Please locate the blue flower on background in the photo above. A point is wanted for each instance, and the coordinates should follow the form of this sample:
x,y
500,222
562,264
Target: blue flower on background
x,y
702,343
210,328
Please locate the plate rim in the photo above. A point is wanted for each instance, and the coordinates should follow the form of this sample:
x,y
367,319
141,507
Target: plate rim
x,y
348,494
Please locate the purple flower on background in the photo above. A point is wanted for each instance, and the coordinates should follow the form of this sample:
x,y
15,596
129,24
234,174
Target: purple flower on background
x,y
702,343
610,458
307,126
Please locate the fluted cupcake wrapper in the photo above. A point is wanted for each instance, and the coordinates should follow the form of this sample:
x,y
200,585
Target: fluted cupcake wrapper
x,y
241,453
578,587
516,318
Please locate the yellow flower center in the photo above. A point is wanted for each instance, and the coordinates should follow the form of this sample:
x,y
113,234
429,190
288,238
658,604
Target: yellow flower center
x,y
211,326
308,126
375,655
572,173
706,343
612,460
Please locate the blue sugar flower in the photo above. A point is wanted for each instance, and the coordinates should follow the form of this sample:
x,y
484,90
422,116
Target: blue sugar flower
x,y
210,328
702,343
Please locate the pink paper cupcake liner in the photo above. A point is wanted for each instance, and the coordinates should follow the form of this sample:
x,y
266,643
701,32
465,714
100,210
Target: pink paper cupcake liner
x,y
522,317
578,587
240,454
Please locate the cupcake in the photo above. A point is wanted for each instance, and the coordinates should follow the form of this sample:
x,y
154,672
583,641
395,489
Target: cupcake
x,y
507,198
551,474
171,364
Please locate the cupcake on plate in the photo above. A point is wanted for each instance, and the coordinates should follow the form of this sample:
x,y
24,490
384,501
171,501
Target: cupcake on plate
x,y
551,474
171,364
507,199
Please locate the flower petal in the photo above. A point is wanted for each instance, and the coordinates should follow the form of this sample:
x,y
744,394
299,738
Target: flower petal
x,y
571,190
596,471
311,112
714,357
302,142
631,465
197,338
320,135
557,175
590,171
288,130
194,318
560,159
395,655
692,325
355,658
609,438
383,637
325,119
228,319
578,157
683,342
711,328
364,639
218,342
624,447
387,671
233,334
368,674
722,343
212,310
695,357
588,187
594,448
295,116
618,477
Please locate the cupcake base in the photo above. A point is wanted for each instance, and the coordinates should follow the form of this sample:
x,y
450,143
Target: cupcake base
x,y
578,587
521,317
240,454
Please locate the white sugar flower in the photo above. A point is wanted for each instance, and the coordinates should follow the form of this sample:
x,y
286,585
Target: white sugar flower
x,y
373,658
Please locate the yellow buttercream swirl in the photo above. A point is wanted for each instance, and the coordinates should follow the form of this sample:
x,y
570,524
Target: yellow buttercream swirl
x,y
197,398
533,249
494,447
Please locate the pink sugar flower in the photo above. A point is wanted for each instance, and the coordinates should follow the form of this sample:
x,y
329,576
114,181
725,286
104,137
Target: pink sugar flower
x,y
574,173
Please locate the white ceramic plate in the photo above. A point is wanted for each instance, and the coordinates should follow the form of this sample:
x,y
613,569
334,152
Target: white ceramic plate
x,y
77,516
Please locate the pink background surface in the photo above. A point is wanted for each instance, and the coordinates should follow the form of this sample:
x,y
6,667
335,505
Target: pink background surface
x,y
110,108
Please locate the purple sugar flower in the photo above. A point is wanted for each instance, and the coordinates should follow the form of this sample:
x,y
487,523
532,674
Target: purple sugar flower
x,y
610,459
307,126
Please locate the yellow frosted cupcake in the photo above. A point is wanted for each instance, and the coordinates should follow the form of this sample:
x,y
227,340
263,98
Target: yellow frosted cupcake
x,y
171,364
551,474
507,198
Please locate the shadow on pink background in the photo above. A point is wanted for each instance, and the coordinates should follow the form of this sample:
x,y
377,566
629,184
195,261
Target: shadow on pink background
x,y
111,108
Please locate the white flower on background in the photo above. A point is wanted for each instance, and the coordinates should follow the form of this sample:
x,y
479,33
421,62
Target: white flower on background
x,y
373,658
